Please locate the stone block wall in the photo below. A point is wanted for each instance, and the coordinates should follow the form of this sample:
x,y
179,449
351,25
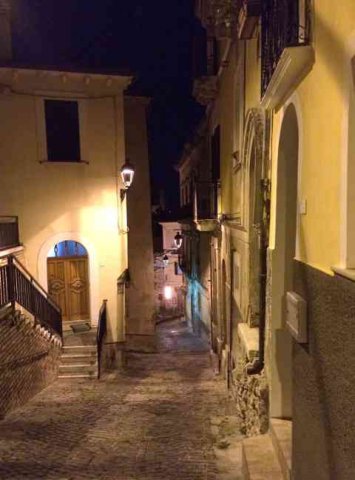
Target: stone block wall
x,y
29,360
251,393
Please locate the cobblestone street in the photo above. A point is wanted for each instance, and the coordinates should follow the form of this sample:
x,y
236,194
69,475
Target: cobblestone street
x,y
151,422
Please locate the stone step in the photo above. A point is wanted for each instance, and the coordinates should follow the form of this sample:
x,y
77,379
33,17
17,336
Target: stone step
x,y
260,460
281,436
68,358
78,369
80,350
77,376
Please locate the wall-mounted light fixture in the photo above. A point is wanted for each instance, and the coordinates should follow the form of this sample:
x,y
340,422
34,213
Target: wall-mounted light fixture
x,y
127,174
178,240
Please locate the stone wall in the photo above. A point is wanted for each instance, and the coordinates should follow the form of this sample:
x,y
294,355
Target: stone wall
x,y
324,379
251,393
29,360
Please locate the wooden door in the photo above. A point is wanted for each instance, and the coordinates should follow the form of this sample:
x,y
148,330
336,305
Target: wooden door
x,y
68,285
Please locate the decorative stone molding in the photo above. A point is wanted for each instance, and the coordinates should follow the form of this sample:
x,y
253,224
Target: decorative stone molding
x,y
219,17
294,64
205,89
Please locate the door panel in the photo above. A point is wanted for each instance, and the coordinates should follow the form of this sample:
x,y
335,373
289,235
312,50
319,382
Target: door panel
x,y
68,285
77,287
56,284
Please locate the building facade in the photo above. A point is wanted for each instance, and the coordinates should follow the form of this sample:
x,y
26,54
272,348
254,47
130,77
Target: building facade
x,y
281,102
169,286
140,295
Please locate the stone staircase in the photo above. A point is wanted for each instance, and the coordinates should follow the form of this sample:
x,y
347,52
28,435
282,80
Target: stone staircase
x,y
79,357
268,457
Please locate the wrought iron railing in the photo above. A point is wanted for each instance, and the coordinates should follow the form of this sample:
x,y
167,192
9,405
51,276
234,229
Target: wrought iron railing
x,y
205,202
17,286
101,332
9,233
284,23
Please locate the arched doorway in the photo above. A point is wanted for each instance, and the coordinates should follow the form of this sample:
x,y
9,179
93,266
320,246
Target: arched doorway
x,y
255,163
68,279
283,264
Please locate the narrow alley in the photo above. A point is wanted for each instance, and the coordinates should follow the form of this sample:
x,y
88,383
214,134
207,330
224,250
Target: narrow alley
x,y
154,421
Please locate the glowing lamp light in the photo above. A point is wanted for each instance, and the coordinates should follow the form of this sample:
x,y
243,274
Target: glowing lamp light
x,y
127,174
165,260
178,240
168,292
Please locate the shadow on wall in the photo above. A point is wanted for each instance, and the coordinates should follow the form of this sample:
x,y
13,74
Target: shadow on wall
x,y
28,361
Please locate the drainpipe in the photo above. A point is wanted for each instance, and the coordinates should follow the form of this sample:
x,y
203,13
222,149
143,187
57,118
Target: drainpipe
x,y
257,364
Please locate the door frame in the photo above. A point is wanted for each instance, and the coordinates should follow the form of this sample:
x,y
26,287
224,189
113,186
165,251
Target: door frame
x,y
74,257
93,264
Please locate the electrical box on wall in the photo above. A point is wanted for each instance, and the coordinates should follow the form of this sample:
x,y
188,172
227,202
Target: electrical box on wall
x,y
296,317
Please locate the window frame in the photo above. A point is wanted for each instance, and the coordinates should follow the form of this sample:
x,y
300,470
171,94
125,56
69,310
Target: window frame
x,y
42,152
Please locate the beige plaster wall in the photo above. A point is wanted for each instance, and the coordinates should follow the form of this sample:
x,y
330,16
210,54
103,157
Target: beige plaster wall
x,y
140,294
59,201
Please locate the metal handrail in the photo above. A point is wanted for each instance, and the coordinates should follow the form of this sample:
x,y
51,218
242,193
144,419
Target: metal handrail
x,y
17,286
35,283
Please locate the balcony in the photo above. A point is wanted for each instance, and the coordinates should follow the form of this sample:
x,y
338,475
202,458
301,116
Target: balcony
x,y
9,233
185,213
206,205
286,53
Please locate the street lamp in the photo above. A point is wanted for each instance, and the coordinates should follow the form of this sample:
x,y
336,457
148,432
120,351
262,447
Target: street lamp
x,y
165,260
127,174
178,240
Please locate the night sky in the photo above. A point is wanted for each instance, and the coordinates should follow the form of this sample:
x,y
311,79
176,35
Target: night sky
x,y
150,38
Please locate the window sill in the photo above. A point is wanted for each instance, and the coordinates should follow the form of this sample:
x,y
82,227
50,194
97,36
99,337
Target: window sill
x,y
348,273
65,162
249,337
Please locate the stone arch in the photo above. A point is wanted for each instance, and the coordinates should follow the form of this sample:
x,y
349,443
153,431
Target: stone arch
x,y
282,262
255,168
254,152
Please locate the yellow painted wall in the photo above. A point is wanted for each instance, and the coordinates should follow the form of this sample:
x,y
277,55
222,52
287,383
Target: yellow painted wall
x,y
252,74
226,111
321,100
77,200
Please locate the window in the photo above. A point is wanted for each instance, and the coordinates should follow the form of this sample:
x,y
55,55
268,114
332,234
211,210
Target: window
x,y
62,130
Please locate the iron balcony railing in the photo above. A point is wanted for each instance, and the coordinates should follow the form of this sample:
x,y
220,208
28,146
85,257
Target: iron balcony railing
x,y
206,200
284,23
9,233
17,286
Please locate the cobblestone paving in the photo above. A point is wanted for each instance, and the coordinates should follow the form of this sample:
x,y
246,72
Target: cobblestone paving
x,y
151,422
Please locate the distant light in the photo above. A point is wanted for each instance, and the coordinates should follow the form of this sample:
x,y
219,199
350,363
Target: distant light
x,y
178,240
165,260
168,292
